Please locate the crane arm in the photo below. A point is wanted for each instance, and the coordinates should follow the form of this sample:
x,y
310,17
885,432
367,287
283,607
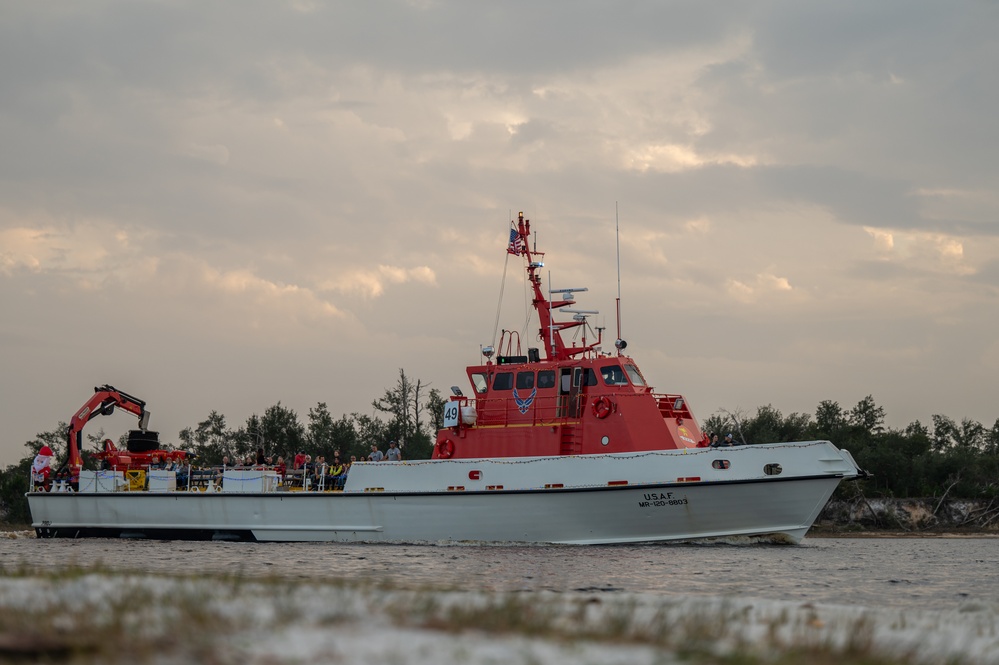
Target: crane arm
x,y
103,402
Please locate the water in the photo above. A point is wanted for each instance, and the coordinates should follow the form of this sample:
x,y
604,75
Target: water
x,y
924,573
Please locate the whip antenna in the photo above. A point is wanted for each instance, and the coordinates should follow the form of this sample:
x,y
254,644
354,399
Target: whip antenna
x,y
619,343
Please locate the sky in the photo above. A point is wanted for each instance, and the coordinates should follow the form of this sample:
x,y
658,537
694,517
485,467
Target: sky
x,y
222,206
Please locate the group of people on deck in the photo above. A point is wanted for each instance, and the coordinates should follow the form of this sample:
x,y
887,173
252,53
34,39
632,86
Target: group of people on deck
x,y
319,473
178,466
729,440
333,474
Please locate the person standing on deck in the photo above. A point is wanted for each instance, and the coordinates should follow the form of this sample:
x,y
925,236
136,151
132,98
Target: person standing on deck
x,y
393,454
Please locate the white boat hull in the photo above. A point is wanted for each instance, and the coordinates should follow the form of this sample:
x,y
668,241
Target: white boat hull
x,y
640,497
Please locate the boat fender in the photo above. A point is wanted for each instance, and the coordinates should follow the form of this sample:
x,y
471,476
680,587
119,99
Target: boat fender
x,y
602,406
445,448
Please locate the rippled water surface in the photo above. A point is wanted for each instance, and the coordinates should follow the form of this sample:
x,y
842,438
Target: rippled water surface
x,y
931,573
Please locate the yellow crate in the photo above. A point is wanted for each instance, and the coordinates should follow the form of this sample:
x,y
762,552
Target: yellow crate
x,y
136,479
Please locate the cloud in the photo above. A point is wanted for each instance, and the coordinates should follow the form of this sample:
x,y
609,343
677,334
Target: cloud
x,y
883,240
673,158
372,283
84,249
267,185
764,286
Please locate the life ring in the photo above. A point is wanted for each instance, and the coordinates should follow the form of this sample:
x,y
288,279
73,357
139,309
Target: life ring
x,y
445,448
602,406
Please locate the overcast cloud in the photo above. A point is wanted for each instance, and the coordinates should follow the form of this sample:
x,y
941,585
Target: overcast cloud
x,y
224,205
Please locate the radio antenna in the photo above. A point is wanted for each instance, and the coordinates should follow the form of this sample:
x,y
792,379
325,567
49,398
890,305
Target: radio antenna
x,y
619,343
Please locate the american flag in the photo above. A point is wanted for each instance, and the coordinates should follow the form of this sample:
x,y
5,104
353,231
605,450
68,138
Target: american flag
x,y
516,245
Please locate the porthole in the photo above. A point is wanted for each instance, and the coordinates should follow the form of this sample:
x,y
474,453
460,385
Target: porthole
x,y
605,440
772,469
720,464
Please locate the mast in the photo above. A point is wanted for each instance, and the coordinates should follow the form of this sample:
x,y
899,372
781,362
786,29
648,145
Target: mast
x,y
551,330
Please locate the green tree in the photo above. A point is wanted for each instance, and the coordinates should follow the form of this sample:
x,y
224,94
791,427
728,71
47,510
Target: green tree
x,y
211,440
371,431
868,416
282,429
829,420
949,434
435,408
345,437
320,431
406,404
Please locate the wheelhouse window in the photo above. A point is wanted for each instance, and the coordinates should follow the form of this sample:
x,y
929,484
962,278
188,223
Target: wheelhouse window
x,y
613,375
525,380
479,383
503,381
546,378
634,375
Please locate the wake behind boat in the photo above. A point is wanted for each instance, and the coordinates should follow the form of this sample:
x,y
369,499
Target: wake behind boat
x,y
563,444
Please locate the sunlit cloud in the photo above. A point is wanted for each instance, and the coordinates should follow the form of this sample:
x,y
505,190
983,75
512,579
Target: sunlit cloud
x,y
82,247
764,285
700,225
883,240
373,283
675,158
266,296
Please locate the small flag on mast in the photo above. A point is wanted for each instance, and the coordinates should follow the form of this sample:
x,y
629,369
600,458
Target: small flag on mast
x,y
516,245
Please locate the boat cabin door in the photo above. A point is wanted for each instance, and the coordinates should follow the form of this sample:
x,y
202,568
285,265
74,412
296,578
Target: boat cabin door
x,y
569,387
564,388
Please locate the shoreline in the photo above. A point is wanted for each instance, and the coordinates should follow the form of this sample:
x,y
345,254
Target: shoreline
x,y
841,532
819,531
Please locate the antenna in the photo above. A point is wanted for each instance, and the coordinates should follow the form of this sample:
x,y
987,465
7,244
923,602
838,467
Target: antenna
x,y
619,344
551,321
568,294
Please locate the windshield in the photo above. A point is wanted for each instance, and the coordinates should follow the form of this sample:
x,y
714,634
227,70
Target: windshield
x,y
613,375
479,381
633,374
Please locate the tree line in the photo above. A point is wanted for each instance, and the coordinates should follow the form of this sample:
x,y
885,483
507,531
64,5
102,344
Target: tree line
x,y
413,416
946,459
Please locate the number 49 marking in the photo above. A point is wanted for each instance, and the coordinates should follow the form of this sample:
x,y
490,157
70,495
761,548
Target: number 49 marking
x,y
451,414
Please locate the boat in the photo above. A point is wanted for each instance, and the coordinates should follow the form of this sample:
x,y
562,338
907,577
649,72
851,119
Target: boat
x,y
564,443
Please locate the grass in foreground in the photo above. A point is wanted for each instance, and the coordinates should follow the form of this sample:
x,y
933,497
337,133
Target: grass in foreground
x,y
98,616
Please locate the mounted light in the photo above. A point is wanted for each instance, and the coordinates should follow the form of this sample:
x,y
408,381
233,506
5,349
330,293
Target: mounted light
x,y
620,344
488,351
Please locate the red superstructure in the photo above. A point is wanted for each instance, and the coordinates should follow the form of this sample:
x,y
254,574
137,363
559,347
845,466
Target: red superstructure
x,y
560,399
